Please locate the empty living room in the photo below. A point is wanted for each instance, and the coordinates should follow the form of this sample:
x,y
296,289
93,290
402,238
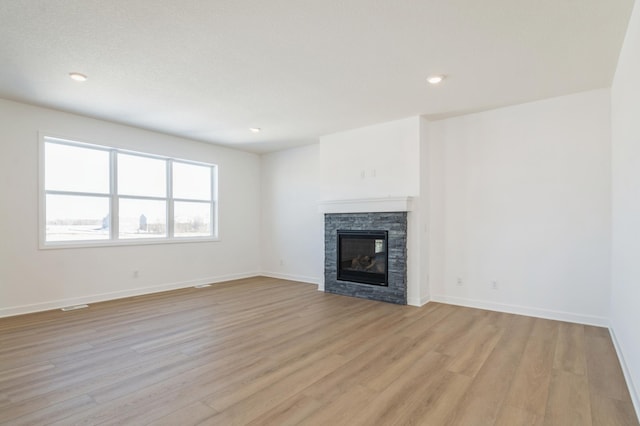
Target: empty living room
x,y
418,212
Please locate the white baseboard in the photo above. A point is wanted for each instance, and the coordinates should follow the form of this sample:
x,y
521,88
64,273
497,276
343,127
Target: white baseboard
x,y
633,391
414,301
102,297
292,277
524,310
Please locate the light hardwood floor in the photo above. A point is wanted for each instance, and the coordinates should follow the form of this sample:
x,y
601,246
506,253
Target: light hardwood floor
x,y
263,351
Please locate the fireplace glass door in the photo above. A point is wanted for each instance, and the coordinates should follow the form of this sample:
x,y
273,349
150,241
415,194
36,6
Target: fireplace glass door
x,y
362,257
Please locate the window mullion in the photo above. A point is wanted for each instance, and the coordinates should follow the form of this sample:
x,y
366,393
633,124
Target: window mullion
x,y
170,214
214,201
140,197
115,211
192,200
76,193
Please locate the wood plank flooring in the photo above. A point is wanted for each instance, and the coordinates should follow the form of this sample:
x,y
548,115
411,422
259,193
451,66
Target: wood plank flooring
x,y
264,351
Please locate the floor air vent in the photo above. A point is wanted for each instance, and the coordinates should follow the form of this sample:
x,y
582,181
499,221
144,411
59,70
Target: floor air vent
x,y
74,307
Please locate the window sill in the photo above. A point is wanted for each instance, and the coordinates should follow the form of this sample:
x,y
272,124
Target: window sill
x,y
124,243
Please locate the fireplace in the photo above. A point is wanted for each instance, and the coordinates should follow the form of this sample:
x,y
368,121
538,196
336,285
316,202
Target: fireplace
x,y
362,256
366,255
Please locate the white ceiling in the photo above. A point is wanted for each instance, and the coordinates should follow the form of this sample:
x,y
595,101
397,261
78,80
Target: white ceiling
x,y
299,69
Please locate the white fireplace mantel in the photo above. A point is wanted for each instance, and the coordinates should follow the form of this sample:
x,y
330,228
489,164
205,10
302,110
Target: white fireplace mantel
x,y
367,205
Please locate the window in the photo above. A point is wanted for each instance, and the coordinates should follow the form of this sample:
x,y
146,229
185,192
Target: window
x,y
96,195
142,196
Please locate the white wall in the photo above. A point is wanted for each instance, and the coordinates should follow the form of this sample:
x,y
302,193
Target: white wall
x,y
625,292
292,228
432,209
371,162
33,279
526,203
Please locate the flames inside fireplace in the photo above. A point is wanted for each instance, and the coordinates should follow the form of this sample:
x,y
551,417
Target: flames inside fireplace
x,y
363,257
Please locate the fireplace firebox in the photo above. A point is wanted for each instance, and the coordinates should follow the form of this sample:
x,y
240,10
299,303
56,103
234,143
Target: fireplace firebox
x,y
362,257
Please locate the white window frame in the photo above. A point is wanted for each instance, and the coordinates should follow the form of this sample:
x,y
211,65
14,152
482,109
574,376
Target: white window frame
x,y
114,197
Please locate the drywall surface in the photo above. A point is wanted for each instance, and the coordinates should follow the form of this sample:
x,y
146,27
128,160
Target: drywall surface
x,y
431,233
625,290
370,162
292,227
34,279
525,215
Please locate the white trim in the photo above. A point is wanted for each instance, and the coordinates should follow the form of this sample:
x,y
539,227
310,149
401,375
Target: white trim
x,y
170,205
114,203
633,391
215,200
415,301
88,244
524,310
103,297
292,277
367,205
42,208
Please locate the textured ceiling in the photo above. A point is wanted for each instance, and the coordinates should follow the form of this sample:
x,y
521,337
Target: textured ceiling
x,y
299,69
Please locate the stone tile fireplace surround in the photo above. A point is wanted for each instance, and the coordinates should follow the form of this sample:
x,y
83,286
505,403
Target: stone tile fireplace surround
x,y
365,215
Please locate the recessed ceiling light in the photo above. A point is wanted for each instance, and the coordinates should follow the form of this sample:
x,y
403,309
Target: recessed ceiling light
x,y
77,76
435,79
255,129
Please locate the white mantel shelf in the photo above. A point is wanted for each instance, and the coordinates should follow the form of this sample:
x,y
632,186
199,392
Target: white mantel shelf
x,y
367,205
